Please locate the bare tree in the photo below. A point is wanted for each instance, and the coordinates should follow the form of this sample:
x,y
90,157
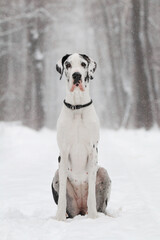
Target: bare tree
x,y
3,64
143,115
148,54
33,103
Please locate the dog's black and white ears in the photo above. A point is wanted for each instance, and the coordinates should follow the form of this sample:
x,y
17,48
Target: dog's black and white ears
x,y
60,65
91,69
92,65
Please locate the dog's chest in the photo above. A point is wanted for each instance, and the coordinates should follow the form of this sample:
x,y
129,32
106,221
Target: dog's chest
x,y
77,128
76,132
80,129
78,155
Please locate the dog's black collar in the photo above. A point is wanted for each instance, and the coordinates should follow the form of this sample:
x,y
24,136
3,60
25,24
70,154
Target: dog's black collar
x,y
75,107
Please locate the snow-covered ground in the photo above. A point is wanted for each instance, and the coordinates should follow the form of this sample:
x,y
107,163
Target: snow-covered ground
x,y
28,160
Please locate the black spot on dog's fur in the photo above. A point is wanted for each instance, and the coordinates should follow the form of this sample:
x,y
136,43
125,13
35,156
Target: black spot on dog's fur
x,y
94,69
59,159
86,78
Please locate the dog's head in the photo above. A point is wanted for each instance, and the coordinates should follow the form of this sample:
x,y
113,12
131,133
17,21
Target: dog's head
x,y
78,68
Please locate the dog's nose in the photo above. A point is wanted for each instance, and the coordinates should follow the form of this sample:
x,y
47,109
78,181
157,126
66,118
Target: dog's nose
x,y
76,77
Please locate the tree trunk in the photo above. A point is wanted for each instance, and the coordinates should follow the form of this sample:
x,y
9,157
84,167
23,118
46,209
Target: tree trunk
x,y
149,65
143,116
33,109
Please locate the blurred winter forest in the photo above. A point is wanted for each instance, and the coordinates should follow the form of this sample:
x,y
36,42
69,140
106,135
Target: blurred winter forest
x,y
122,36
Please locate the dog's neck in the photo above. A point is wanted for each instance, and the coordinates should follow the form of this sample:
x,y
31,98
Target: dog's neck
x,y
77,97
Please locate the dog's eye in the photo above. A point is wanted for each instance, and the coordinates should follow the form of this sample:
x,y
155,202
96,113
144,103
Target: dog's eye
x,y
83,64
68,65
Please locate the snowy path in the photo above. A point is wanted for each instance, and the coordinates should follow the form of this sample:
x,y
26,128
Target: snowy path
x,y
28,160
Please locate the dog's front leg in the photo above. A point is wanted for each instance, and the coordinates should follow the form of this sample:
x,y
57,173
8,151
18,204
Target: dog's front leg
x,y
61,211
92,173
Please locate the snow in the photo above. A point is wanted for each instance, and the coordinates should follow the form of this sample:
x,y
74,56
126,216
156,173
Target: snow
x,y
28,160
34,34
38,55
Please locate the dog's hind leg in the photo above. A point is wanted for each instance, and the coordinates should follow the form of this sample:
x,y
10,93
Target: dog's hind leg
x,y
103,189
72,209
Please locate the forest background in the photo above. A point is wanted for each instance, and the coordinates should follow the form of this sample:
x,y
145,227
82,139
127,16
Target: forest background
x,y
121,36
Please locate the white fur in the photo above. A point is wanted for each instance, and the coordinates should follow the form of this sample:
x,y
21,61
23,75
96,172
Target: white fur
x,y
77,137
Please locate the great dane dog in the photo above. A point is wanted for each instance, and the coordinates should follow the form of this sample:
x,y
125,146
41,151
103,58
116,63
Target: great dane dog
x,y
79,186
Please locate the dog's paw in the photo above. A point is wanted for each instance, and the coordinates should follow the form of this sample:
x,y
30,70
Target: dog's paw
x,y
92,214
60,216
